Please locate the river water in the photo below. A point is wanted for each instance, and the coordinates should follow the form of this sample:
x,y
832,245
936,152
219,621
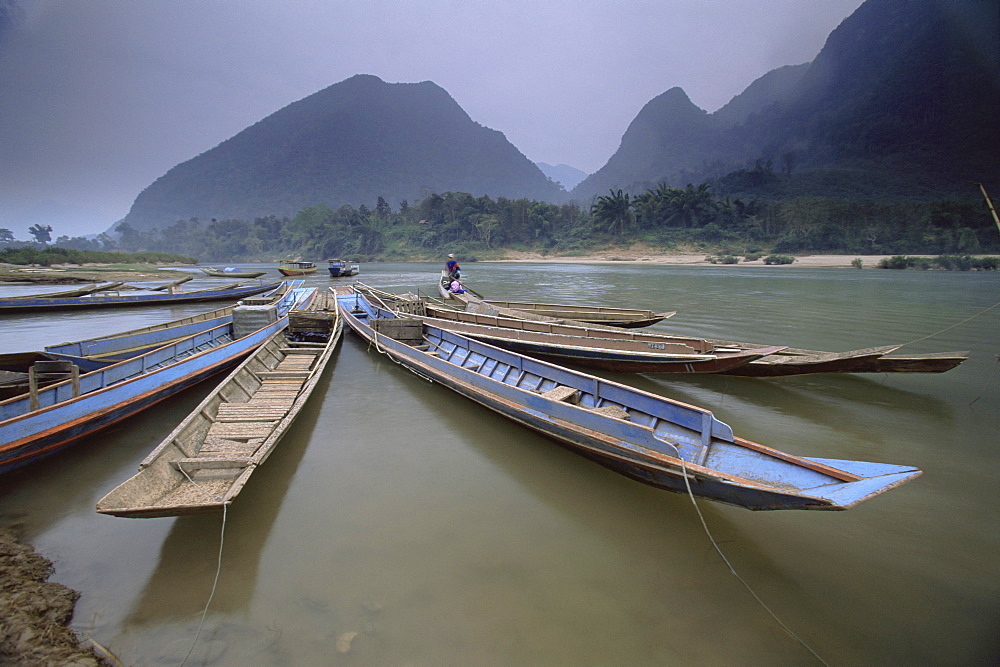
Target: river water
x,y
416,528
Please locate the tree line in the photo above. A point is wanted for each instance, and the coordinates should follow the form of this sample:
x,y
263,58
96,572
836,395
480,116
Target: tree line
x,y
663,217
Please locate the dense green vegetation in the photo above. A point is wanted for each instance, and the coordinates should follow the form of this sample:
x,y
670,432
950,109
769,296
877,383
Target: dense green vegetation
x,y
663,218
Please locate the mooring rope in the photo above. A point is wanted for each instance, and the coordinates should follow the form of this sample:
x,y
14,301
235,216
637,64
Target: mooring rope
x,y
729,565
957,324
218,565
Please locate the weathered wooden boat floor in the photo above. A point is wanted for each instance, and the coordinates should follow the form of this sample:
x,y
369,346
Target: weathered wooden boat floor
x,y
238,431
206,461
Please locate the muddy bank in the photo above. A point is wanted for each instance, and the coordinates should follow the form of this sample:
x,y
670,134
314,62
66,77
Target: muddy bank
x,y
35,613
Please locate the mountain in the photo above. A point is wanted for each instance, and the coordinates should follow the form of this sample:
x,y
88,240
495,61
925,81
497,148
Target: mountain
x,y
563,174
350,143
901,102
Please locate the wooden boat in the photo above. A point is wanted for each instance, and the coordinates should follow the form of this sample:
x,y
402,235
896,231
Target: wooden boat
x,y
785,361
291,268
65,404
883,359
99,351
235,273
107,299
80,291
630,318
651,438
206,461
607,348
341,269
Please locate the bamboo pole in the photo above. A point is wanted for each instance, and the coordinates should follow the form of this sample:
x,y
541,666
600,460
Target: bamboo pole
x,y
989,203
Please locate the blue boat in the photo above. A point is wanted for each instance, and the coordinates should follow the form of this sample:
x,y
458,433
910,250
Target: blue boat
x,y
341,269
113,298
62,404
656,440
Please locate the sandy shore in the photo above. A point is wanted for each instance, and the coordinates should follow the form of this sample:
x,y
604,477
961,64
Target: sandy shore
x,y
628,256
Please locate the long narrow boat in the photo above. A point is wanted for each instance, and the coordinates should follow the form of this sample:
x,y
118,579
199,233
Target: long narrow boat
x,y
619,350
99,351
225,273
49,417
206,461
629,318
786,361
80,291
38,302
651,438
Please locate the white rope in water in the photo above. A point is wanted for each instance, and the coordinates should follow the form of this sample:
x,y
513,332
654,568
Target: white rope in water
x,y
729,565
218,565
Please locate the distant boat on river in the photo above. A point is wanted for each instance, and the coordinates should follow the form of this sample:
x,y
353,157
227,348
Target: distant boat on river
x,y
231,272
341,269
291,268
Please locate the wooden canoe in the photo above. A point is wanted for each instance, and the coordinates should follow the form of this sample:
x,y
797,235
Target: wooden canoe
x,y
52,416
619,350
656,440
93,353
629,318
786,361
114,299
206,461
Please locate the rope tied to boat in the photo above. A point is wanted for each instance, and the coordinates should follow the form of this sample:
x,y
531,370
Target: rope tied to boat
x,y
957,324
718,549
218,565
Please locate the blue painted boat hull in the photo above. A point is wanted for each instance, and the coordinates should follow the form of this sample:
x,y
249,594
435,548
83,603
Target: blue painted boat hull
x,y
661,442
20,305
118,391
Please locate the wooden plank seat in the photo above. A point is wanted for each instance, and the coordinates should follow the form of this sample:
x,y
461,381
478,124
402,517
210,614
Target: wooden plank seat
x,y
241,430
614,411
217,445
232,412
205,462
563,393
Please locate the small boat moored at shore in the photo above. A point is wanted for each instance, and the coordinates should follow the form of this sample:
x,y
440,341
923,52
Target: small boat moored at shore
x,y
656,440
68,404
205,462
608,348
113,298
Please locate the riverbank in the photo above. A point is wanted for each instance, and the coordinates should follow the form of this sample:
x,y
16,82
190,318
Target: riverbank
x,y
35,613
85,274
638,256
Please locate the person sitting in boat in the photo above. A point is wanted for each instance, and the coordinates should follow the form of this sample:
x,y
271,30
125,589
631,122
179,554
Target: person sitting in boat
x,y
452,267
456,287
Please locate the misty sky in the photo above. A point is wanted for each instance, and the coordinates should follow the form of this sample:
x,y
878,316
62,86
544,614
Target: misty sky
x,y
98,98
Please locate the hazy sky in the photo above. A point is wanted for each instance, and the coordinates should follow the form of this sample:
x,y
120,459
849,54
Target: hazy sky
x,y
98,98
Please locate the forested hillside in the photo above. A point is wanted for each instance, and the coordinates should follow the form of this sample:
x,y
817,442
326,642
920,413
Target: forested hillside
x,y
347,144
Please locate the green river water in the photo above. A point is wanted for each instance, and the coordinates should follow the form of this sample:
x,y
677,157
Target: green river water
x,y
416,528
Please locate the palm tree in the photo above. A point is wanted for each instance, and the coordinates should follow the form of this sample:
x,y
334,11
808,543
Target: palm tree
x,y
691,204
615,211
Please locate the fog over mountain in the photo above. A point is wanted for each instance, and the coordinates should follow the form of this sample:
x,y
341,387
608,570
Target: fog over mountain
x,y
904,93
100,98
